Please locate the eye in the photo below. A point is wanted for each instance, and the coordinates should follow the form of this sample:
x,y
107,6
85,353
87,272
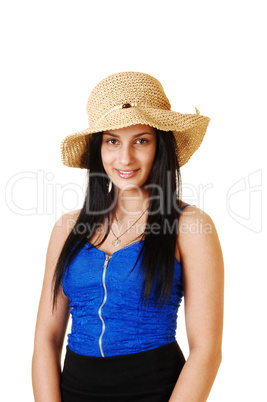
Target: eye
x,y
112,143
143,139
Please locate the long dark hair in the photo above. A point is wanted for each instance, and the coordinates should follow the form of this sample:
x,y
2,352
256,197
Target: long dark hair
x,y
158,249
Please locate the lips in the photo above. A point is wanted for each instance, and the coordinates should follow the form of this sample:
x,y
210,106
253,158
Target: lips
x,y
126,174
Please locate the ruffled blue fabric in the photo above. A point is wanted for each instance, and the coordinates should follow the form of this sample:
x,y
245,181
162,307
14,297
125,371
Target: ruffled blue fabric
x,y
129,327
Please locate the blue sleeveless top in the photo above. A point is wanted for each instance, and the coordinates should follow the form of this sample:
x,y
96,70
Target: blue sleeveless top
x,y
107,316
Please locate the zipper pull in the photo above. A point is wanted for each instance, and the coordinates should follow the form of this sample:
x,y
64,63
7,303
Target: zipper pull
x,y
108,257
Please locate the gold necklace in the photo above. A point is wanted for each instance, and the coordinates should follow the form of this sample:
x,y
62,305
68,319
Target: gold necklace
x,y
117,241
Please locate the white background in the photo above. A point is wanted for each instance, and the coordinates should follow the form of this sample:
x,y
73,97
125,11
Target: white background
x,y
207,54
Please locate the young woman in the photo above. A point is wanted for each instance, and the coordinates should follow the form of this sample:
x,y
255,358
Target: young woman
x,y
122,263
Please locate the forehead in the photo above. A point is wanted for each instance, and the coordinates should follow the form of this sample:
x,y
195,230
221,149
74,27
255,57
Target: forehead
x,y
132,130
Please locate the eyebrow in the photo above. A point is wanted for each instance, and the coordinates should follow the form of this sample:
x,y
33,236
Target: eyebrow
x,y
135,136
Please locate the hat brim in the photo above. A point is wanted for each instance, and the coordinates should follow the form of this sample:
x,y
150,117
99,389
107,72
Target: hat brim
x,y
188,129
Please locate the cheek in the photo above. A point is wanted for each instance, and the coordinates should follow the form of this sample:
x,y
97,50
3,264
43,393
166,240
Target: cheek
x,y
106,157
148,163
151,156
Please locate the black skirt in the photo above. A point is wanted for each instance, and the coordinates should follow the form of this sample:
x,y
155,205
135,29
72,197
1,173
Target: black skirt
x,y
144,377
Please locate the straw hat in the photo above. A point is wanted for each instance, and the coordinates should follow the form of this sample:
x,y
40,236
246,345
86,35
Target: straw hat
x,y
129,98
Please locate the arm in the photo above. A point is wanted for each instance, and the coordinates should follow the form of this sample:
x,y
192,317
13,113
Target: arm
x,y
51,326
203,271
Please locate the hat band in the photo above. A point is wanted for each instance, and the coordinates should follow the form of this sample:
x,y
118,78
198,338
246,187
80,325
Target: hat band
x,y
126,106
133,104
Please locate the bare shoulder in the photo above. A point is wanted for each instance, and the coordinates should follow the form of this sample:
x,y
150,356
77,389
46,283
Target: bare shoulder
x,y
61,230
197,235
69,215
68,219
194,217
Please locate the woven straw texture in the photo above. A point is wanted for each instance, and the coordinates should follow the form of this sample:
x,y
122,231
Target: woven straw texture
x,y
130,98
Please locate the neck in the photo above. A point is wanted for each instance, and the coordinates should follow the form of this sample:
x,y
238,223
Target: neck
x,y
132,202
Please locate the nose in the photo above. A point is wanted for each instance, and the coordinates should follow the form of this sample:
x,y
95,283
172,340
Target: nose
x,y
126,155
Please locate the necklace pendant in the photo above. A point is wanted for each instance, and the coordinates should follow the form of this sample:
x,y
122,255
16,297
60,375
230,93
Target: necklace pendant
x,y
116,242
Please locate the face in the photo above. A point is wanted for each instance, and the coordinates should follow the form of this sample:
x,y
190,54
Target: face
x,y
128,154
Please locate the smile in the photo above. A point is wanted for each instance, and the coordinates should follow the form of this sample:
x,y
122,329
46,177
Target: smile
x,y
126,174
